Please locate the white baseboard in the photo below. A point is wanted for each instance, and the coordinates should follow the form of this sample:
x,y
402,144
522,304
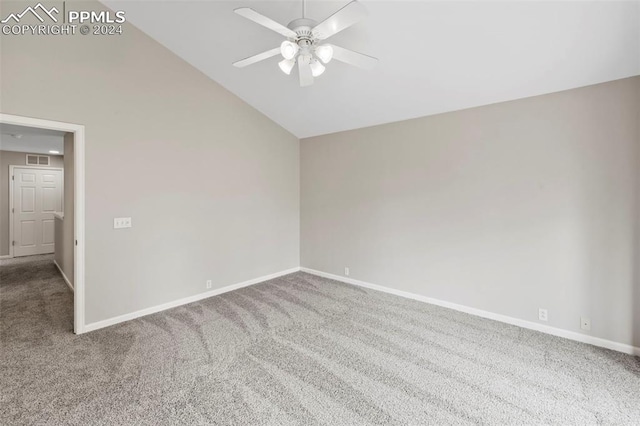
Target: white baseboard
x,y
6,256
571,335
66,280
152,310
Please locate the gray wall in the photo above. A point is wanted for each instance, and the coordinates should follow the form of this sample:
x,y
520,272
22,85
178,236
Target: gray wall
x,y
506,208
58,246
211,184
68,230
11,158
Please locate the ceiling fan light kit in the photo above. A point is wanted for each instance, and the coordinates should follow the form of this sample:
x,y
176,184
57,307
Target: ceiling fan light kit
x,y
288,49
304,42
286,65
324,53
316,68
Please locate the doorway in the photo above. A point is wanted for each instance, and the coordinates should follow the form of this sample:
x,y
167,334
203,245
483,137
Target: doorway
x,y
75,136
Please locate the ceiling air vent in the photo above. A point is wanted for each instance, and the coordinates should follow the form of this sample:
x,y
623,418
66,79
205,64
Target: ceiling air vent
x,y
37,160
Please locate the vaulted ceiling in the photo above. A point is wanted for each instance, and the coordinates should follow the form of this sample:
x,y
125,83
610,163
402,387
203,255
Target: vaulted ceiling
x,y
434,56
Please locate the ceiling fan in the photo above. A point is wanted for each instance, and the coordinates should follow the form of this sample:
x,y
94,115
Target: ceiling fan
x,y
304,42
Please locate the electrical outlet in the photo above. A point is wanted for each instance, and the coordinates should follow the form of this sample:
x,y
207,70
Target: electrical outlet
x,y
208,283
543,314
346,272
121,222
585,323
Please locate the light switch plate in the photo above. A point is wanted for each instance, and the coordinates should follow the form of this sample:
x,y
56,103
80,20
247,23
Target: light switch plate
x,y
121,222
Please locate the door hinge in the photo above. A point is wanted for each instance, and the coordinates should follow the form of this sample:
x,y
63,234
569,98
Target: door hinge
x,y
13,210
13,178
76,242
13,243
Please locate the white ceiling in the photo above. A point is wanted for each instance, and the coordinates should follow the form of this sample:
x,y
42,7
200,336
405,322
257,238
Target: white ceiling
x,y
435,56
30,139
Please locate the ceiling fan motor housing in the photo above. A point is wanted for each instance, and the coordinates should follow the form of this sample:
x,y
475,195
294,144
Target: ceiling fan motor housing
x,y
302,27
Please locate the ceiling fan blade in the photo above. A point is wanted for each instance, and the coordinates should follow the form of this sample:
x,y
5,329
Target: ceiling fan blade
x,y
344,18
304,69
257,58
251,14
353,58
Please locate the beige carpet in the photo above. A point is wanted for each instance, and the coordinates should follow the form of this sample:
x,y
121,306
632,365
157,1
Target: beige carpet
x,y
295,350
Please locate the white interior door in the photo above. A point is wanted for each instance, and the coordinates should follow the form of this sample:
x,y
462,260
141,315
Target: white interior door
x,y
37,194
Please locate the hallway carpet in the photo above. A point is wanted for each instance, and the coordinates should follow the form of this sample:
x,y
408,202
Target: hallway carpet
x,y
294,350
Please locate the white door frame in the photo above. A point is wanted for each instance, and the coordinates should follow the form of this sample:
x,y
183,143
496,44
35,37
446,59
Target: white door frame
x,y
12,214
78,205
